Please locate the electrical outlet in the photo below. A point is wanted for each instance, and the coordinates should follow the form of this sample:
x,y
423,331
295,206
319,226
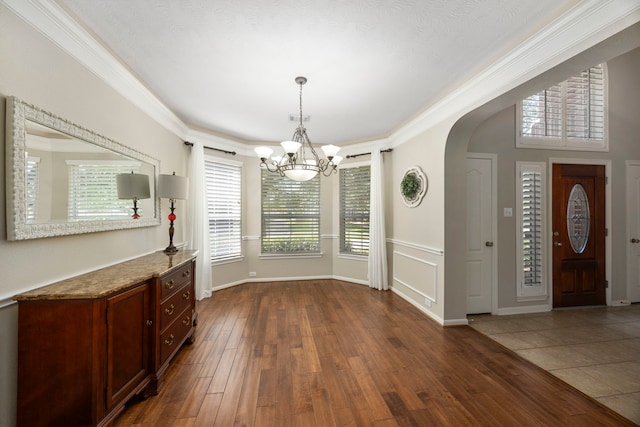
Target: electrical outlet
x,y
427,302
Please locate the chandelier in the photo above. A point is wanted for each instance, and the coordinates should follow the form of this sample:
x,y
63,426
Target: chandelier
x,y
300,162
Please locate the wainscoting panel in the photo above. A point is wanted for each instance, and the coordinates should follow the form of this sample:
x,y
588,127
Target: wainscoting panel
x,y
419,275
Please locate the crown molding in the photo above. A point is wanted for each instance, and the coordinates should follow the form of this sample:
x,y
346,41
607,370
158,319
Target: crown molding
x,y
52,21
582,27
585,25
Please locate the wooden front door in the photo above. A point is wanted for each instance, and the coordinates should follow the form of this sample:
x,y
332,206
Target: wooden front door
x,y
578,235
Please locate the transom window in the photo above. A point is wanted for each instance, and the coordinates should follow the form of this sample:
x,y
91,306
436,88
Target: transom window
x,y
290,215
355,184
570,115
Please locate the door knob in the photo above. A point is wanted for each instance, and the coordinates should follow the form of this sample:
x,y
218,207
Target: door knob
x,y
488,244
634,240
557,244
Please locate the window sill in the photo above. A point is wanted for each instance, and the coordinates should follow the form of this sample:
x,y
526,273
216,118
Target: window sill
x,y
292,256
226,261
352,257
545,143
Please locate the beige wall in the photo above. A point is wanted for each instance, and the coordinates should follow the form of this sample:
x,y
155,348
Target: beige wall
x,y
501,125
497,135
38,72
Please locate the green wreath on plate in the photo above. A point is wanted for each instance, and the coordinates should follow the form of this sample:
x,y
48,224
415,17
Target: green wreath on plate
x,y
413,186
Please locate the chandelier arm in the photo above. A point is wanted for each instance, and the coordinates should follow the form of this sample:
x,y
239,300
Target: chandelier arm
x,y
266,165
329,171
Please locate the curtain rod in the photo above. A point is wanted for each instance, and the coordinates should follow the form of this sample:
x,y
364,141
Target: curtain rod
x,y
351,156
212,148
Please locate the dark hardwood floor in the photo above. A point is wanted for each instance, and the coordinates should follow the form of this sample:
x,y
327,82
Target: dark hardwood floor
x,y
331,353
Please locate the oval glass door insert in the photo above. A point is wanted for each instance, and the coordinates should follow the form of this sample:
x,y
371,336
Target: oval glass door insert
x,y
578,218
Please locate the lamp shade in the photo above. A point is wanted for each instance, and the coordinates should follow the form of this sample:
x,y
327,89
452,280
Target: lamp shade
x,y
263,152
132,186
173,186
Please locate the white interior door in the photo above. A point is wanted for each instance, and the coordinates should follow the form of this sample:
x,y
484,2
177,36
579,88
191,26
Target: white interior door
x,y
480,233
633,230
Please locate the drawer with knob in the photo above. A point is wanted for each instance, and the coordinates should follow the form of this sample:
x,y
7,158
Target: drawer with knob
x,y
172,307
174,336
175,280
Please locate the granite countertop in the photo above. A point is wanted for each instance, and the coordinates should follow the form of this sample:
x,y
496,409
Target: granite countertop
x,y
105,281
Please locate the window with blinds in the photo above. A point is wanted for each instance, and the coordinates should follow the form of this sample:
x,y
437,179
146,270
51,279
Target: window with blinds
x,y
568,115
355,184
531,236
32,186
224,207
290,215
93,194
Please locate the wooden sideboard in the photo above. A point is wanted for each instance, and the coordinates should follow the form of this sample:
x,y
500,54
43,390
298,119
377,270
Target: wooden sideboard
x,y
88,344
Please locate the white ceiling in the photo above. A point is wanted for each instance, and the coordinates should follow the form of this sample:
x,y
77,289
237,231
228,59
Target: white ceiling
x,y
228,66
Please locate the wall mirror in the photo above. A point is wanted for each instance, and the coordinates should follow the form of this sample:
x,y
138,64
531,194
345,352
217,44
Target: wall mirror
x,y
60,178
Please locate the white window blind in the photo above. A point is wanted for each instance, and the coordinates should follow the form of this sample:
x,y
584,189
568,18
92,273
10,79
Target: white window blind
x,y
531,220
290,215
355,184
32,185
93,194
224,207
568,115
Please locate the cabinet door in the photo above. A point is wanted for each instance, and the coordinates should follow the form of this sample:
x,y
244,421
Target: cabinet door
x,y
128,342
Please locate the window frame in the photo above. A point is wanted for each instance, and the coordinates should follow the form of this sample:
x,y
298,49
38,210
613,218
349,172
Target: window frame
x,y
341,236
315,216
563,142
538,291
235,256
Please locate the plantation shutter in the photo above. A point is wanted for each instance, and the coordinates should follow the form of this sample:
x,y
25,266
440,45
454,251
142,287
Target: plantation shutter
x,y
355,184
585,104
572,110
224,207
542,113
93,194
290,215
531,228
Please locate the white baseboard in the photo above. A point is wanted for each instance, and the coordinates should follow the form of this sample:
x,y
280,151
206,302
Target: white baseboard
x,y
620,303
418,306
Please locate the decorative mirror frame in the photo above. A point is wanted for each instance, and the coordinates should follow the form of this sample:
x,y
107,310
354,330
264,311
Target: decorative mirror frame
x,y
18,112
413,186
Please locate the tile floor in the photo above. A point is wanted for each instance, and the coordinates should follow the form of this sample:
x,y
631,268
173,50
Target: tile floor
x,y
596,350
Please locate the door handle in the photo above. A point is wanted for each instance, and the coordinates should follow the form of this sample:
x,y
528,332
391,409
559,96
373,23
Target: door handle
x,y
556,244
488,244
634,240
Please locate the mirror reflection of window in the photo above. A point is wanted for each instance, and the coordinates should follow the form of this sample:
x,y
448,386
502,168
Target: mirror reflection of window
x,y
32,187
93,193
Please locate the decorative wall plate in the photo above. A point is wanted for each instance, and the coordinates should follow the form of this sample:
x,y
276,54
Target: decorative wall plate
x,y
413,186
